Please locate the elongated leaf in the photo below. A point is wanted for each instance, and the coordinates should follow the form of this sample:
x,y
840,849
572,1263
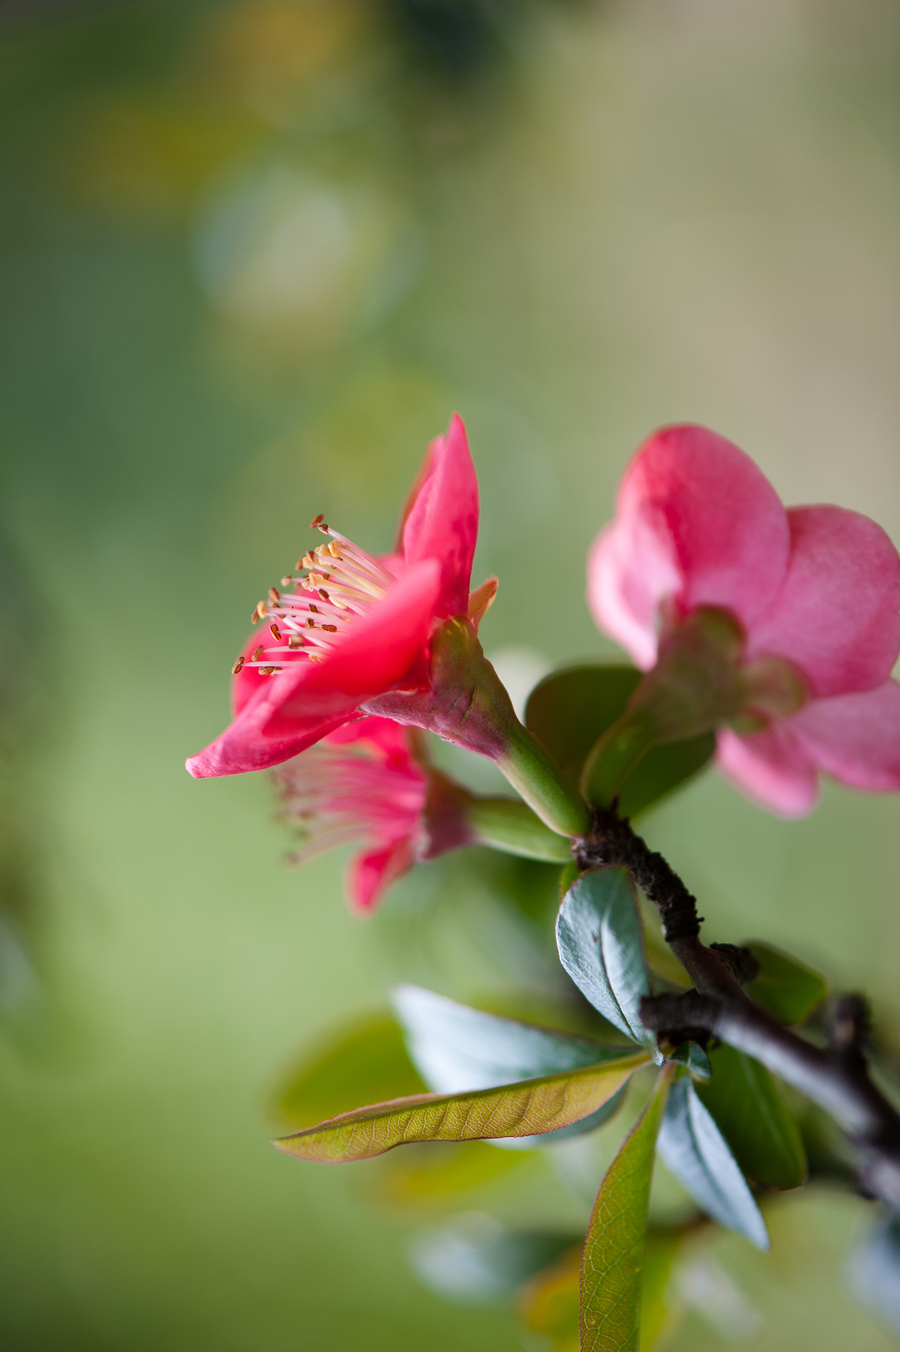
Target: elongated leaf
x,y
754,1119
455,1047
524,1109
550,1300
696,1152
785,987
601,945
570,709
614,1245
367,1060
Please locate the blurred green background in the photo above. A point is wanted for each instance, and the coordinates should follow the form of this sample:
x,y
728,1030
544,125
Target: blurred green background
x,y
253,255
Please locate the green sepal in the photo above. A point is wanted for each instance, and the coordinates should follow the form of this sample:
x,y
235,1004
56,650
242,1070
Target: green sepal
x,y
571,709
754,1119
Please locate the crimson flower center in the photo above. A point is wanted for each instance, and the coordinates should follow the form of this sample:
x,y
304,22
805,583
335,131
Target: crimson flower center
x,y
337,582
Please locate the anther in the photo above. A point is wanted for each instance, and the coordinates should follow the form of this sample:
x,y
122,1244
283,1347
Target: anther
x,y
259,612
314,609
323,593
330,628
237,666
267,671
295,641
310,623
274,596
317,521
276,632
257,653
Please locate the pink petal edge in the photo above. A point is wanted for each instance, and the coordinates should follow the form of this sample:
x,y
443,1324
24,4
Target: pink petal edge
x,y
770,769
372,873
300,706
855,738
695,519
441,521
836,613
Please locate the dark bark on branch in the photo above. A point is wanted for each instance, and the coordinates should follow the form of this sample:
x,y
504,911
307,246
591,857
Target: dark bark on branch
x,y
836,1078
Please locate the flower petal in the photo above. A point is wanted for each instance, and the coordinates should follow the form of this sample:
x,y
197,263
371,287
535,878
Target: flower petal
x,y
440,520
372,873
304,702
836,613
696,520
855,738
771,769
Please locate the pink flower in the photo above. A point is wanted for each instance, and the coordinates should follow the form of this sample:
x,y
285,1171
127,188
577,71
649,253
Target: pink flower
x,y
361,785
353,626
698,524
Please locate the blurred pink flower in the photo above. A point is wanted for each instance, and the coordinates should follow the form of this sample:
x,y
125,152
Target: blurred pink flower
x,y
698,524
365,785
354,626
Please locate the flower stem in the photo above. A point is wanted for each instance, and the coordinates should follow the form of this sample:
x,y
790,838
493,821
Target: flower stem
x,y
533,774
507,825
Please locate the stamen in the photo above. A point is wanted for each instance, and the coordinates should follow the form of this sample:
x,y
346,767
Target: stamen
x,y
355,580
235,670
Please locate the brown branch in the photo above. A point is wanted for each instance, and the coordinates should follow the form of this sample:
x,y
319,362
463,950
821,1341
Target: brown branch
x,y
836,1078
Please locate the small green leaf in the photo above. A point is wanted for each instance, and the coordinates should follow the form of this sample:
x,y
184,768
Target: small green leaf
x,y
754,1119
694,1058
367,1060
525,1109
785,987
614,1245
601,945
455,1048
697,1154
571,709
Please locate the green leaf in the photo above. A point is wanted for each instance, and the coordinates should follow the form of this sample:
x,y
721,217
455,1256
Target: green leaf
x,y
785,987
367,1060
694,1058
754,1119
601,945
456,1048
614,1245
697,1154
549,1302
571,709
525,1109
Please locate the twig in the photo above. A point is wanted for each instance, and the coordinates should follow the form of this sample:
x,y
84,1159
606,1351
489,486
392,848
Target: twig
x,y
836,1078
